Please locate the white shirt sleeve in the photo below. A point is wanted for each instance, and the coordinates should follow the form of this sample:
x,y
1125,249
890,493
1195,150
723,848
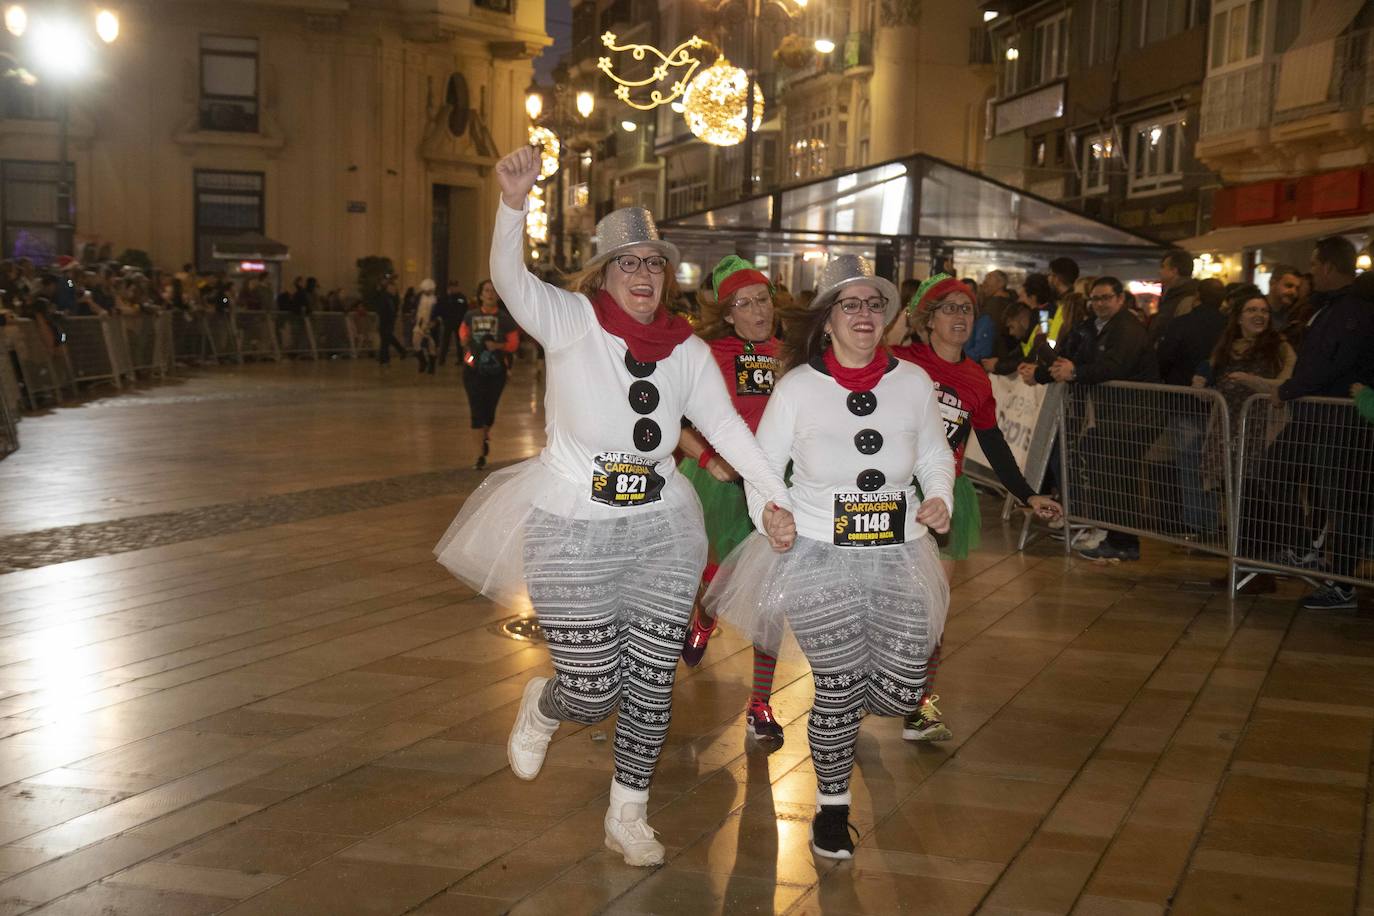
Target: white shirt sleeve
x,y
554,317
711,412
777,431
934,459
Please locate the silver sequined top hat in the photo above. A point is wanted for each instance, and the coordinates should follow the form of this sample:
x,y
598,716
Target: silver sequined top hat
x,y
846,270
626,228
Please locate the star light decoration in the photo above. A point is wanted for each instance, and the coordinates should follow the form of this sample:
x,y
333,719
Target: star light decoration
x,y
679,57
714,104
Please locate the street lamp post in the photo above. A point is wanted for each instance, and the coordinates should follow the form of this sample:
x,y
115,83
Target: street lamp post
x,y
59,44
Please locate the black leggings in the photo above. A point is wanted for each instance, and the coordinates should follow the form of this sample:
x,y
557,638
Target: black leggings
x,y
484,392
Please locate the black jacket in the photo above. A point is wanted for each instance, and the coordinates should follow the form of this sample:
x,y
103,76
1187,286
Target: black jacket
x,y
1076,346
1122,353
1187,342
1337,349
1181,294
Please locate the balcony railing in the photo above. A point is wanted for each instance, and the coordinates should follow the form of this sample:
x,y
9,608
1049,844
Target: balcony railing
x,y
1305,82
1346,82
858,50
1239,100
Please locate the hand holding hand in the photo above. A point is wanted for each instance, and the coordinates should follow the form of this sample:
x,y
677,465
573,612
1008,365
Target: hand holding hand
x,y
1027,373
780,527
1046,508
516,173
721,470
934,514
1062,370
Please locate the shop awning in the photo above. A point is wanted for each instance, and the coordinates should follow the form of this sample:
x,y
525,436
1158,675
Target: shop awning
x,y
1235,238
250,246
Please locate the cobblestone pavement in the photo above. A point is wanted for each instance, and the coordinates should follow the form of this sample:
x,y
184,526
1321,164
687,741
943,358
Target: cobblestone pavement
x,y
79,542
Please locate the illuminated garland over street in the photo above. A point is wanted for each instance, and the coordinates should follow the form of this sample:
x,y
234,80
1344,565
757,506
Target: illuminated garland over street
x,y
676,58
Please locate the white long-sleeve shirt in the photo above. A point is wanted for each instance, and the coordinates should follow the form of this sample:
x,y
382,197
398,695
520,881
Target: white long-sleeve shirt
x,y
808,421
587,407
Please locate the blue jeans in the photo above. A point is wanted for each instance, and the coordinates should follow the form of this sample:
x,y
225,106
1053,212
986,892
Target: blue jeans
x,y
1200,510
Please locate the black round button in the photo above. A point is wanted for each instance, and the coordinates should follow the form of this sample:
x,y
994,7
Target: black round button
x,y
861,403
871,480
643,397
868,441
647,435
638,369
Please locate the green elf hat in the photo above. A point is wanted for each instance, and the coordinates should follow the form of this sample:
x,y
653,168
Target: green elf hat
x,y
734,273
931,291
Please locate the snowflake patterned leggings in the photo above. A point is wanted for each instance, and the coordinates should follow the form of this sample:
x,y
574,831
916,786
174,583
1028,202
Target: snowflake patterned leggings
x,y
867,635
613,598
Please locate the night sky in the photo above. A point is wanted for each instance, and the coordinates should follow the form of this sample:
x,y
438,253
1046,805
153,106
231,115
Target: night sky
x,y
558,23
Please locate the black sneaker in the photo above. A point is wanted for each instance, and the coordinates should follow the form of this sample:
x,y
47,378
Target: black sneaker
x,y
1330,597
830,833
1105,551
480,463
486,447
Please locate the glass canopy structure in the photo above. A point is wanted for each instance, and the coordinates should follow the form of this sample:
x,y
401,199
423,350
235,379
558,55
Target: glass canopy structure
x,y
906,214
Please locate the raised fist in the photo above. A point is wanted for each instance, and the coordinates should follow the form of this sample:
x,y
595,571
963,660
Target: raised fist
x,y
517,173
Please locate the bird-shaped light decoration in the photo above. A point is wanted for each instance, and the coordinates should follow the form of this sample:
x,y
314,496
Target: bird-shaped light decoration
x,y
714,104
676,59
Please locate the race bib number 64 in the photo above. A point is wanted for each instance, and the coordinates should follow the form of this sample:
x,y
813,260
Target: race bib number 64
x,y
870,519
754,374
625,479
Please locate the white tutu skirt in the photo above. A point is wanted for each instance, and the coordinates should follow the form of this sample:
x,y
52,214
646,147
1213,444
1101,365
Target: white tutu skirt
x,y
756,587
484,546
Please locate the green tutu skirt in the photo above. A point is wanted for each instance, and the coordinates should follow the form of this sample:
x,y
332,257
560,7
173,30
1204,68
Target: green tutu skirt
x,y
724,508
966,526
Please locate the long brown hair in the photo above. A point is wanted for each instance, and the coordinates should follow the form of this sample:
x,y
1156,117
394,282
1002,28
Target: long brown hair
x,y
806,339
589,280
1267,347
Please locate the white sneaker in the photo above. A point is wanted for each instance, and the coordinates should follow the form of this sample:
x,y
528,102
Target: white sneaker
x,y
529,737
627,831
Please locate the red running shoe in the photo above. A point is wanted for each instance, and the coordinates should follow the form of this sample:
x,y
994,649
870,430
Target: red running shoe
x,y
694,646
762,726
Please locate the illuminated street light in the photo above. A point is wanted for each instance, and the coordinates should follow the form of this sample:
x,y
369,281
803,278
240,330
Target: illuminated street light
x,y
629,126
1013,54
59,48
16,20
107,25
534,103
586,103
825,45
989,15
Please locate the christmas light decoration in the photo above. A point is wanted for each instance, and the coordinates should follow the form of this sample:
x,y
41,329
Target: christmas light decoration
x,y
537,217
713,104
548,144
679,59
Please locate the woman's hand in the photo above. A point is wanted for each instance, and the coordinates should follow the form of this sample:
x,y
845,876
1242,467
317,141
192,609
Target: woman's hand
x,y
1046,508
1355,390
934,514
721,470
517,172
780,527
1199,382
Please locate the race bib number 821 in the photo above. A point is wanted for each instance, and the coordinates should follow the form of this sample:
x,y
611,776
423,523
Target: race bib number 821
x,y
870,519
625,479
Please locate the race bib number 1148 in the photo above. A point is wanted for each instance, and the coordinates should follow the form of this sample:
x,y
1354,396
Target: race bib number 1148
x,y
870,519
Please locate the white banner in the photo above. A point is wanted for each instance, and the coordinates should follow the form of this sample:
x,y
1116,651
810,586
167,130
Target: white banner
x,y
1018,411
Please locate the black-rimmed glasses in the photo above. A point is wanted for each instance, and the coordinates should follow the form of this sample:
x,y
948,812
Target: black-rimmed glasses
x,y
853,305
654,263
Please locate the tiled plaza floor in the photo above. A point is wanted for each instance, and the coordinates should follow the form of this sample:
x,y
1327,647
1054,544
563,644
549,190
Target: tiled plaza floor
x,y
232,679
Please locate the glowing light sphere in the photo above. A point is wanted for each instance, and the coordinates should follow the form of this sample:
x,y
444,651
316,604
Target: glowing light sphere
x,y
107,25
548,144
16,20
714,104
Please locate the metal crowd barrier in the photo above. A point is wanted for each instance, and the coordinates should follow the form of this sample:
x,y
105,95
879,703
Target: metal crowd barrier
x,y
1304,491
192,340
9,401
256,335
331,334
1150,460
97,351
364,333
42,374
295,336
148,345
